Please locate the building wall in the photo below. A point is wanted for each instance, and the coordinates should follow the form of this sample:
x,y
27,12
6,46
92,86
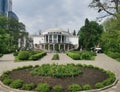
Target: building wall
x,y
38,40
4,7
74,40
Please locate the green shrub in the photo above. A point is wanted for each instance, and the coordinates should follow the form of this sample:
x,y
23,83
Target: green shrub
x,y
43,87
86,55
114,55
57,88
37,56
5,75
99,85
23,55
55,57
16,53
7,81
1,55
28,86
74,55
74,87
87,87
56,70
16,84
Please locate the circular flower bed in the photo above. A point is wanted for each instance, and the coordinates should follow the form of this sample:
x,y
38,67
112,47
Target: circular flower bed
x,y
58,78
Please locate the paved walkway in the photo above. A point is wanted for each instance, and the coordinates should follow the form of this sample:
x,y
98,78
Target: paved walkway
x,y
7,63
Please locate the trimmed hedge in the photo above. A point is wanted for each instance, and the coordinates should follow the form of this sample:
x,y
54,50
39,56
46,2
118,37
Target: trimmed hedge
x,y
37,56
29,55
55,57
23,55
85,55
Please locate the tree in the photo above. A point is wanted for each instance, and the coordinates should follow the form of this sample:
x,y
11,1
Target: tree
x,y
110,7
89,34
11,31
74,33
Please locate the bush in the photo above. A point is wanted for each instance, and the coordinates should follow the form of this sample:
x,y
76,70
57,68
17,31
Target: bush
x,y
74,87
87,87
57,88
73,55
23,55
5,75
16,53
1,55
28,86
7,81
114,55
86,55
37,56
16,84
43,87
55,57
99,85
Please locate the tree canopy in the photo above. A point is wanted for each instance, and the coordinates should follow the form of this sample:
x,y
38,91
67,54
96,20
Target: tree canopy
x,y
89,34
110,7
10,31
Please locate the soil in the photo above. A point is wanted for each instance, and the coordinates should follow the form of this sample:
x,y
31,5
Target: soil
x,y
89,76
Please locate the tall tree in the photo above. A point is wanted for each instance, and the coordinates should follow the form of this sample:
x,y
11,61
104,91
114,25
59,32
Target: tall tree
x,y
74,33
110,7
89,34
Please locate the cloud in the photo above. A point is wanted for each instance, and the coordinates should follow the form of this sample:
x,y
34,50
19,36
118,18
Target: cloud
x,y
44,14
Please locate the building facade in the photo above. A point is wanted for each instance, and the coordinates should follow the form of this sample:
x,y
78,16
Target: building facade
x,y
55,40
6,9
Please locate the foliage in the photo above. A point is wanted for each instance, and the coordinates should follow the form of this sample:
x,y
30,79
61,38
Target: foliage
x,y
37,56
7,81
55,57
1,55
16,84
56,70
111,38
89,34
109,7
28,86
43,87
85,55
75,56
74,87
57,88
23,55
99,85
10,31
86,87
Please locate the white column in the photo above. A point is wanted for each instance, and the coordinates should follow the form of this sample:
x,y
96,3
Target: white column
x,y
64,47
57,38
48,38
52,38
61,38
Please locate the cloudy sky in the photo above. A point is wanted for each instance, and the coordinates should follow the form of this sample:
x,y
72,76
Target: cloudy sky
x,y
44,14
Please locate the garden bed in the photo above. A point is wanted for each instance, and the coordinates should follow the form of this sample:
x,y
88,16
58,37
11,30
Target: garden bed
x,y
89,77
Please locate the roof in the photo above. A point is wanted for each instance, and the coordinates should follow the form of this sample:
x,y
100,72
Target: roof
x,y
55,30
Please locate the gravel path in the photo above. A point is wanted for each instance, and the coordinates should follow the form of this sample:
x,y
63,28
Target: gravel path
x,y
103,61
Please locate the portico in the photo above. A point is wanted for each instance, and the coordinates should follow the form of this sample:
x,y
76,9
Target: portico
x,y
55,40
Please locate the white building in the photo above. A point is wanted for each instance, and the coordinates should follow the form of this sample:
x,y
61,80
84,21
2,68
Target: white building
x,y
55,40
